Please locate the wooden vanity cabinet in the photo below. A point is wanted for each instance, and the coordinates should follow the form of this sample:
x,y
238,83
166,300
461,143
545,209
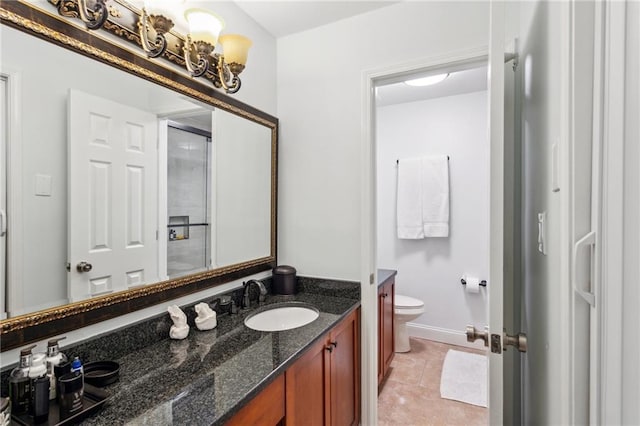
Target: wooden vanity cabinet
x,y
386,298
266,409
323,386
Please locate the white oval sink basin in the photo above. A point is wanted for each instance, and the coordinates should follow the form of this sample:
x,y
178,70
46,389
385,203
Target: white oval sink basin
x,y
281,318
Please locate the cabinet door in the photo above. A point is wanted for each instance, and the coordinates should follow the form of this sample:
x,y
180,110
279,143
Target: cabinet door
x,y
345,371
381,322
307,388
266,409
387,326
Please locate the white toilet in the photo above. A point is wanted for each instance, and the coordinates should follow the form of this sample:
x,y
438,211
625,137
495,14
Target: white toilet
x,y
405,309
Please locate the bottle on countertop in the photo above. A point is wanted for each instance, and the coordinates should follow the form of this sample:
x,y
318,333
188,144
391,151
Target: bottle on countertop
x,y
54,359
39,404
71,390
20,384
76,365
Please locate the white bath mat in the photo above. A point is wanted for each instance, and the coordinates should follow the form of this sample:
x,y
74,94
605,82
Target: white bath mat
x,y
464,378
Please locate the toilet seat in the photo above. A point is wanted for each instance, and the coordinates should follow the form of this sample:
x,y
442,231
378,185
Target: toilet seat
x,y
407,302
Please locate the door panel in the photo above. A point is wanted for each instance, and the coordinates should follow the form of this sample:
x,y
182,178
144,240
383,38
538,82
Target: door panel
x,y
113,194
307,388
345,380
387,326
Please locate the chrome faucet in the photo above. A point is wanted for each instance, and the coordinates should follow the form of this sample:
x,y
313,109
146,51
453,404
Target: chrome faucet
x,y
246,299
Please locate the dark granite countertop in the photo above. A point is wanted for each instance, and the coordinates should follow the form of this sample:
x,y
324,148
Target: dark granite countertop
x,y
209,376
384,275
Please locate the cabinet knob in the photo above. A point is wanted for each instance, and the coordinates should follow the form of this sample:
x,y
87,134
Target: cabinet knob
x,y
334,344
329,348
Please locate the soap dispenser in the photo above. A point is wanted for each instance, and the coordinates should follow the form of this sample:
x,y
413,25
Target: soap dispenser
x,y
19,383
54,359
39,404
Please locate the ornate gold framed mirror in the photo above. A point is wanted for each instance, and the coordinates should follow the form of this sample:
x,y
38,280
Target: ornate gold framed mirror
x,y
240,214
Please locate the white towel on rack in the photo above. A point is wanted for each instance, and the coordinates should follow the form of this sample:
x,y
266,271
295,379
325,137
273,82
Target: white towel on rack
x,y
409,203
435,196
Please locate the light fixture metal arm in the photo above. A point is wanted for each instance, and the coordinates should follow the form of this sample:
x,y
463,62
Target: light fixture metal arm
x,y
157,48
223,73
93,19
202,66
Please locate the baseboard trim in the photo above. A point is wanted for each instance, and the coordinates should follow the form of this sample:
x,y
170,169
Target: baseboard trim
x,y
443,335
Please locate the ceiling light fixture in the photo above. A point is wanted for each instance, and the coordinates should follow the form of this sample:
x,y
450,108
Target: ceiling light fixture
x,y
426,81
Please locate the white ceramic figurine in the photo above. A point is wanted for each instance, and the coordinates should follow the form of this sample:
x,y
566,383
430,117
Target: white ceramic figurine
x,y
179,330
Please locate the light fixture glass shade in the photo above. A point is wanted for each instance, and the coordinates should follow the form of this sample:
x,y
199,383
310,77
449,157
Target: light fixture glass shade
x,y
168,8
426,81
203,25
235,48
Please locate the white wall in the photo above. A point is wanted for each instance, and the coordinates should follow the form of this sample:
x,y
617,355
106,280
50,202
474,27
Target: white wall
x,y
430,269
319,106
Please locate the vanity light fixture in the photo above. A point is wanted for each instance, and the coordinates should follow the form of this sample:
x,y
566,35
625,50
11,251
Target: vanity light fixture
x,y
154,23
93,18
204,30
426,81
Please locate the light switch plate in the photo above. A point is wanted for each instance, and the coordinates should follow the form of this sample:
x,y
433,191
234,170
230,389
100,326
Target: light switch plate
x,y
43,185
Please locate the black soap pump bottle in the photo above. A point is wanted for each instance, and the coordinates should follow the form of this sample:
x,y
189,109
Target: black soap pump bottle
x,y
20,384
39,405
54,359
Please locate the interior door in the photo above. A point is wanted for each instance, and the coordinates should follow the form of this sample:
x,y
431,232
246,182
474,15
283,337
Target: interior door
x,y
113,196
504,286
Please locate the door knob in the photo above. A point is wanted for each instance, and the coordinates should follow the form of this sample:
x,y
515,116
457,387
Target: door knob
x,y
473,335
518,341
84,267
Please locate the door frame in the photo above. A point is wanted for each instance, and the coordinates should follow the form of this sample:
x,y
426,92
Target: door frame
x,y
14,299
368,216
613,403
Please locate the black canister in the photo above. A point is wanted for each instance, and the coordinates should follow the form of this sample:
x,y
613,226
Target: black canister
x,y
284,280
70,392
59,371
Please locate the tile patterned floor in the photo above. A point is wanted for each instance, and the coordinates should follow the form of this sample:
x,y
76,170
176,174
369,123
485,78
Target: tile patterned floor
x,y
410,395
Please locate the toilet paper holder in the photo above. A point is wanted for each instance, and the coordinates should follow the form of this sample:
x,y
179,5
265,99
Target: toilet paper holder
x,y
483,283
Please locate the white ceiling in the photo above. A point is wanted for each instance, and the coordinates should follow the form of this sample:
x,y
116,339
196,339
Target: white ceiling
x,y
281,18
459,82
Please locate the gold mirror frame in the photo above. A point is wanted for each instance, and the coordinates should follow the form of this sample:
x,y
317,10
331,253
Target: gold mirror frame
x,y
23,329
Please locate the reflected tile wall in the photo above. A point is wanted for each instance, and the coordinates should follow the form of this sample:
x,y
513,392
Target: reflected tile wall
x,y
187,195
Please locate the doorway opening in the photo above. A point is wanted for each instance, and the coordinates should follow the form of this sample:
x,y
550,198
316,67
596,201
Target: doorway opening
x,y
431,141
